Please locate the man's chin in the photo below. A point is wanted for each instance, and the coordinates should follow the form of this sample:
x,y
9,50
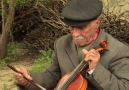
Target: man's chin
x,y
80,44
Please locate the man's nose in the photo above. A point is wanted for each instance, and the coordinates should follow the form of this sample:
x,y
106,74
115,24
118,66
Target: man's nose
x,y
75,32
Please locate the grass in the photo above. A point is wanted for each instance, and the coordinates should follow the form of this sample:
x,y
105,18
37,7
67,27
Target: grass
x,y
39,65
43,62
12,50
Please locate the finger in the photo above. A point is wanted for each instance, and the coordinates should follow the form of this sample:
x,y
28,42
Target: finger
x,y
29,77
92,51
84,51
22,82
17,76
90,56
20,79
25,72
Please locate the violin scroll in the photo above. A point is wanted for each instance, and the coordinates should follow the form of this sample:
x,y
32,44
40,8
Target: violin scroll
x,y
104,46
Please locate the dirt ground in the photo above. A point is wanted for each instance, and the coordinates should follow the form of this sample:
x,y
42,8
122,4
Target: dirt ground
x,y
7,82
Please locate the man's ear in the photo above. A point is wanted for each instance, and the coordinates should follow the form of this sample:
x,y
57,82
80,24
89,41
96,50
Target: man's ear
x,y
97,23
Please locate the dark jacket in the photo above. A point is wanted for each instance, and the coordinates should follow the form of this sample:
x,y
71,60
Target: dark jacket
x,y
112,73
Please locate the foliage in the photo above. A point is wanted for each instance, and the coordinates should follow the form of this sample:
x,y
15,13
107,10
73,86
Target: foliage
x,y
40,24
13,51
6,87
20,2
42,63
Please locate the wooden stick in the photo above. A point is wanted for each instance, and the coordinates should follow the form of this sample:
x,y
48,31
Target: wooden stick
x,y
31,81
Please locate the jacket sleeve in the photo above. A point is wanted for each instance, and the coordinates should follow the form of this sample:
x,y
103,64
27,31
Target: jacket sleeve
x,y
47,79
116,76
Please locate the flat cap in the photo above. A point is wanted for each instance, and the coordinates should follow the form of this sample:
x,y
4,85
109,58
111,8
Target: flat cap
x,y
81,12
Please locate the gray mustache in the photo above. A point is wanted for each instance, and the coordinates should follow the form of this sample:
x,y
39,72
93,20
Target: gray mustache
x,y
79,38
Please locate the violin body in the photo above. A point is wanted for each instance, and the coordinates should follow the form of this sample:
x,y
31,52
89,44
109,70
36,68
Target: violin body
x,y
79,83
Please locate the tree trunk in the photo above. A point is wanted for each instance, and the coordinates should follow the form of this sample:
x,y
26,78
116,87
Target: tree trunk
x,y
7,22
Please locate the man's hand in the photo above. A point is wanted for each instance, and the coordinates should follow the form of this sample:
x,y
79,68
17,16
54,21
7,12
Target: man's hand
x,y
93,56
20,79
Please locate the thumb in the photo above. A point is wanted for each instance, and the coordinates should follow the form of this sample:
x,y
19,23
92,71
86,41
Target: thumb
x,y
84,51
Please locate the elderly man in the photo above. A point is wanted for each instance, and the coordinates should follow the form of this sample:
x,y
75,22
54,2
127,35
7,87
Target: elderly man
x,y
109,71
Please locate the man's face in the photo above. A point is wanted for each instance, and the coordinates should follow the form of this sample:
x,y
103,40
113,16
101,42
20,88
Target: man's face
x,y
82,36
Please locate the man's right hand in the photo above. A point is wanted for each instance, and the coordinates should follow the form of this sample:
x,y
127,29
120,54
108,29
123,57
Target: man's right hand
x,y
20,79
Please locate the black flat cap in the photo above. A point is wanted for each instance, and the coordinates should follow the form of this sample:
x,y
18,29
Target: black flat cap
x,y
81,12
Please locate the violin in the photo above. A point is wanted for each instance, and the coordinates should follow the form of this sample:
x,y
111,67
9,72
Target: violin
x,y
74,80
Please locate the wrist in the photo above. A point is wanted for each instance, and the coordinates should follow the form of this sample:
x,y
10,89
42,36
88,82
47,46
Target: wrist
x,y
90,71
